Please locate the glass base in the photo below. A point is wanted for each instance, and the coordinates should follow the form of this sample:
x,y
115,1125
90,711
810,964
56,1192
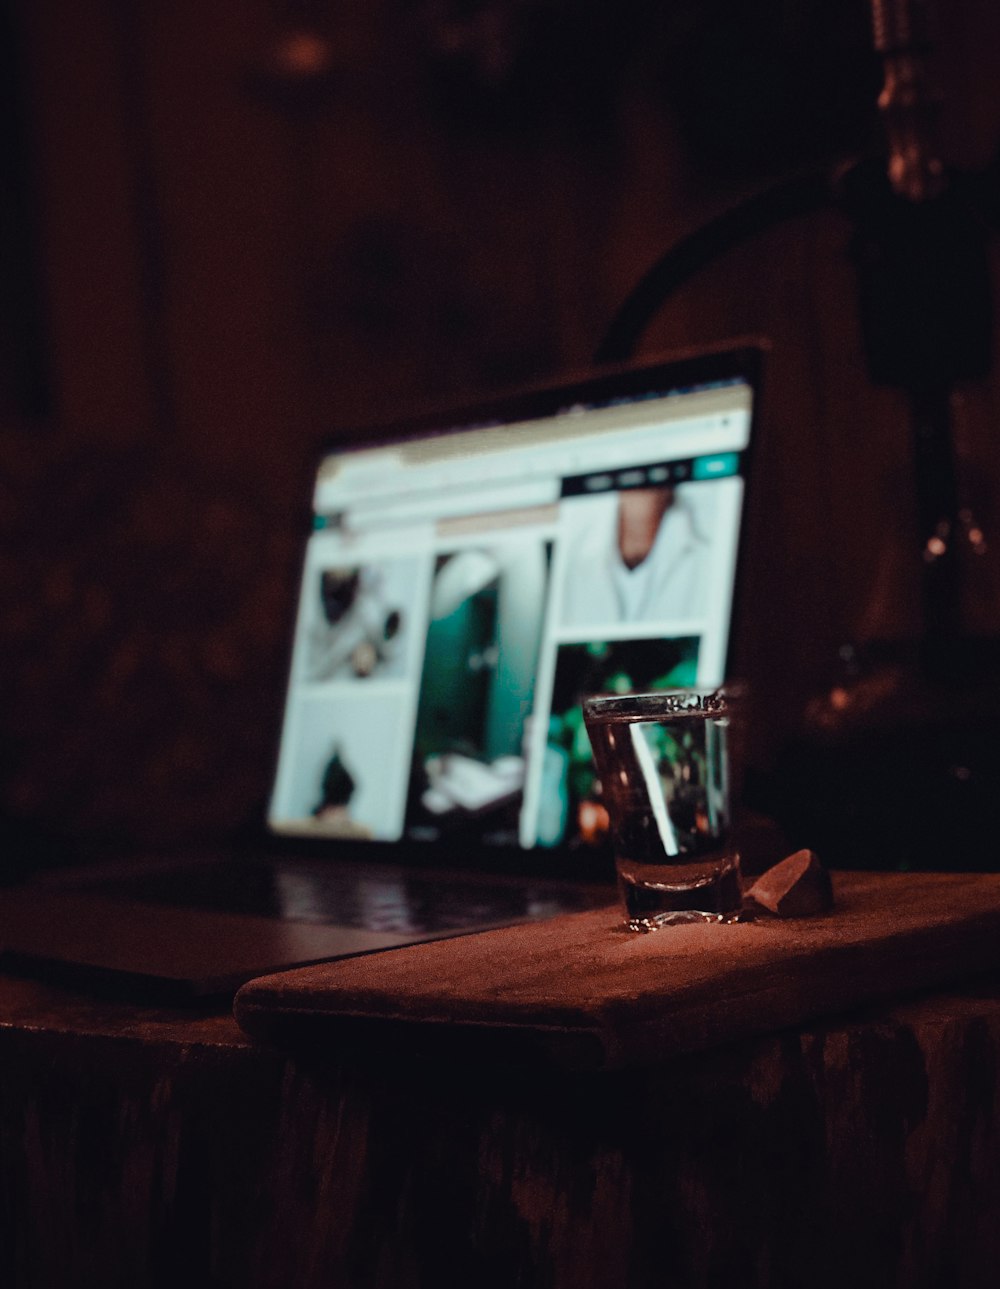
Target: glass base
x,y
679,917
656,895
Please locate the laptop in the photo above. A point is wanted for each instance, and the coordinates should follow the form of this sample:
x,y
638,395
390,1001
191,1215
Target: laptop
x,y
466,580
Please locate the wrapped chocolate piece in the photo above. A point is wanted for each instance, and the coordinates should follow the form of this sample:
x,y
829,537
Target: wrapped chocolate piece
x,y
794,888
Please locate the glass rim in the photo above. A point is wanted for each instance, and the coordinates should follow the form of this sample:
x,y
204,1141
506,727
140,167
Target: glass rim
x,y
709,700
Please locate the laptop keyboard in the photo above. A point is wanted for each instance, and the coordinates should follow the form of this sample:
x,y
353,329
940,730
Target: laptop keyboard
x,y
373,899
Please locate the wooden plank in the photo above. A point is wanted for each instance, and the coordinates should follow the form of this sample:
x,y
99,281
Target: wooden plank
x,y
582,992
151,1148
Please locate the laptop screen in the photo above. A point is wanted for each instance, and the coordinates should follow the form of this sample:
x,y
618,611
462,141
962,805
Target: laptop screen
x,y
466,585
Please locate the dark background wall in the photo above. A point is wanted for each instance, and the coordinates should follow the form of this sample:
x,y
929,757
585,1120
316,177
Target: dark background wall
x,y
231,229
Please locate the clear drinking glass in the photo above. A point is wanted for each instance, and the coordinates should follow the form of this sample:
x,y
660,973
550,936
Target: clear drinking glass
x,y
667,764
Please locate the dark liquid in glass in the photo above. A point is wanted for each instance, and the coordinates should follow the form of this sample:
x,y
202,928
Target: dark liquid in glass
x,y
665,785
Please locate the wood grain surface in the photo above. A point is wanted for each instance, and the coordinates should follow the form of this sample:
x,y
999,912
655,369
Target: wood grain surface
x,y
581,991
146,1148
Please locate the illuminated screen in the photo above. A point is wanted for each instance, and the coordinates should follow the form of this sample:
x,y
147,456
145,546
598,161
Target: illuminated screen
x,y
463,591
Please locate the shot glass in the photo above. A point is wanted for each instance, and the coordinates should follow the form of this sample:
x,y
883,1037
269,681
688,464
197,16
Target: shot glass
x,y
667,766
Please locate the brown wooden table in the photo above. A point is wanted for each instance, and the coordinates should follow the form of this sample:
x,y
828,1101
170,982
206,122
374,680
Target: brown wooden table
x,y
145,1147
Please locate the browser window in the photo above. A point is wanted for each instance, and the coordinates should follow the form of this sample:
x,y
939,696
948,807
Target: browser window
x,y
463,591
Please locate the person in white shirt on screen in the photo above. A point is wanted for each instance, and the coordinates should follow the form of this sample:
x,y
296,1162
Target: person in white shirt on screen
x,y
640,557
